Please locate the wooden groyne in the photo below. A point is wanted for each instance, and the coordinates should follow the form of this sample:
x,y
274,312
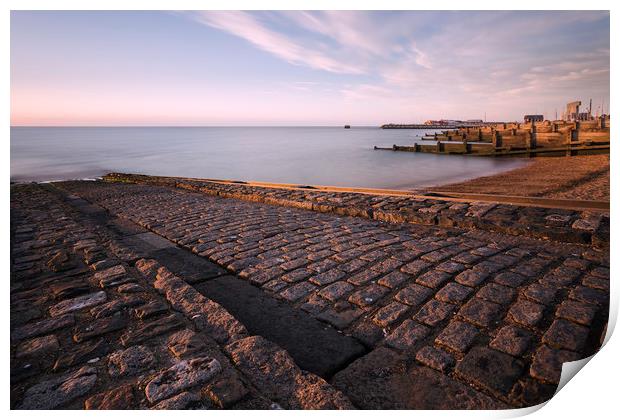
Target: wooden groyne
x,y
557,138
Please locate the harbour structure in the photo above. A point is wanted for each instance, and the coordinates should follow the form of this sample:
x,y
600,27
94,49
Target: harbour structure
x,y
558,138
533,118
572,111
436,124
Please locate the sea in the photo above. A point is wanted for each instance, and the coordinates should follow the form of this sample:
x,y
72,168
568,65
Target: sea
x,y
332,156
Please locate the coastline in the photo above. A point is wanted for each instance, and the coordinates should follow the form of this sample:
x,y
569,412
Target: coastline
x,y
317,156
574,177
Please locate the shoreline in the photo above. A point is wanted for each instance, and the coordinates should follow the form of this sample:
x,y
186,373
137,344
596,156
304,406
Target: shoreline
x,y
575,177
294,155
572,177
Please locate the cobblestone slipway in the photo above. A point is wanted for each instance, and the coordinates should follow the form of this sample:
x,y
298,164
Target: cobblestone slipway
x,y
154,296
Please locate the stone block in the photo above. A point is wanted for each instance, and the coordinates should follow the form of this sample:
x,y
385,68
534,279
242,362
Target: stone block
x,y
181,376
131,361
490,369
457,336
56,392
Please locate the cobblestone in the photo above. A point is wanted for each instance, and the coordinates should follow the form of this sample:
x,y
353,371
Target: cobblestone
x,y
413,294
369,295
495,371
151,329
566,335
121,398
89,350
541,294
81,302
182,401
453,293
58,391
181,376
480,312
100,327
394,279
456,288
390,314
130,361
472,277
547,363
38,347
336,290
510,279
588,295
275,373
457,336
297,291
579,312
512,340
496,293
526,313
43,327
407,335
433,312
435,358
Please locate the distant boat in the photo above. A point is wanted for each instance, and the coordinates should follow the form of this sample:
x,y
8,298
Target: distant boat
x,y
347,126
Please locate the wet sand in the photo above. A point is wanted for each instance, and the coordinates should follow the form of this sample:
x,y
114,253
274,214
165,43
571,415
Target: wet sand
x,y
571,177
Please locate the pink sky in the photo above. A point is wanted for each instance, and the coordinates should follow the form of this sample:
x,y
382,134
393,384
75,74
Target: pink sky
x,y
298,68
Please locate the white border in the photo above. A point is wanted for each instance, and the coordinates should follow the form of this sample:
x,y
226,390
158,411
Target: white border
x,y
592,395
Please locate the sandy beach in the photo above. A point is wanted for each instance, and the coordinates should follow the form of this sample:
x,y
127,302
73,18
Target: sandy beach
x,y
571,177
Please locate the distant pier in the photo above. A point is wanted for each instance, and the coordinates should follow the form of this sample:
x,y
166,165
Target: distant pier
x,y
417,126
438,125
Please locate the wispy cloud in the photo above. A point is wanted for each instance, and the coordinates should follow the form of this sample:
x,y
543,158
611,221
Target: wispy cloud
x,y
415,55
250,28
313,66
354,31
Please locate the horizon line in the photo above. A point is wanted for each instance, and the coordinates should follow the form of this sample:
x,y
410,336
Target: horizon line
x,y
194,126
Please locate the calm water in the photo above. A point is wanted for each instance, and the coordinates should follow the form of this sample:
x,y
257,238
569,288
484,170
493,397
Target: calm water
x,y
305,155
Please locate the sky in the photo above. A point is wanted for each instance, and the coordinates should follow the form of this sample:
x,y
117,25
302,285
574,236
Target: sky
x,y
303,68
